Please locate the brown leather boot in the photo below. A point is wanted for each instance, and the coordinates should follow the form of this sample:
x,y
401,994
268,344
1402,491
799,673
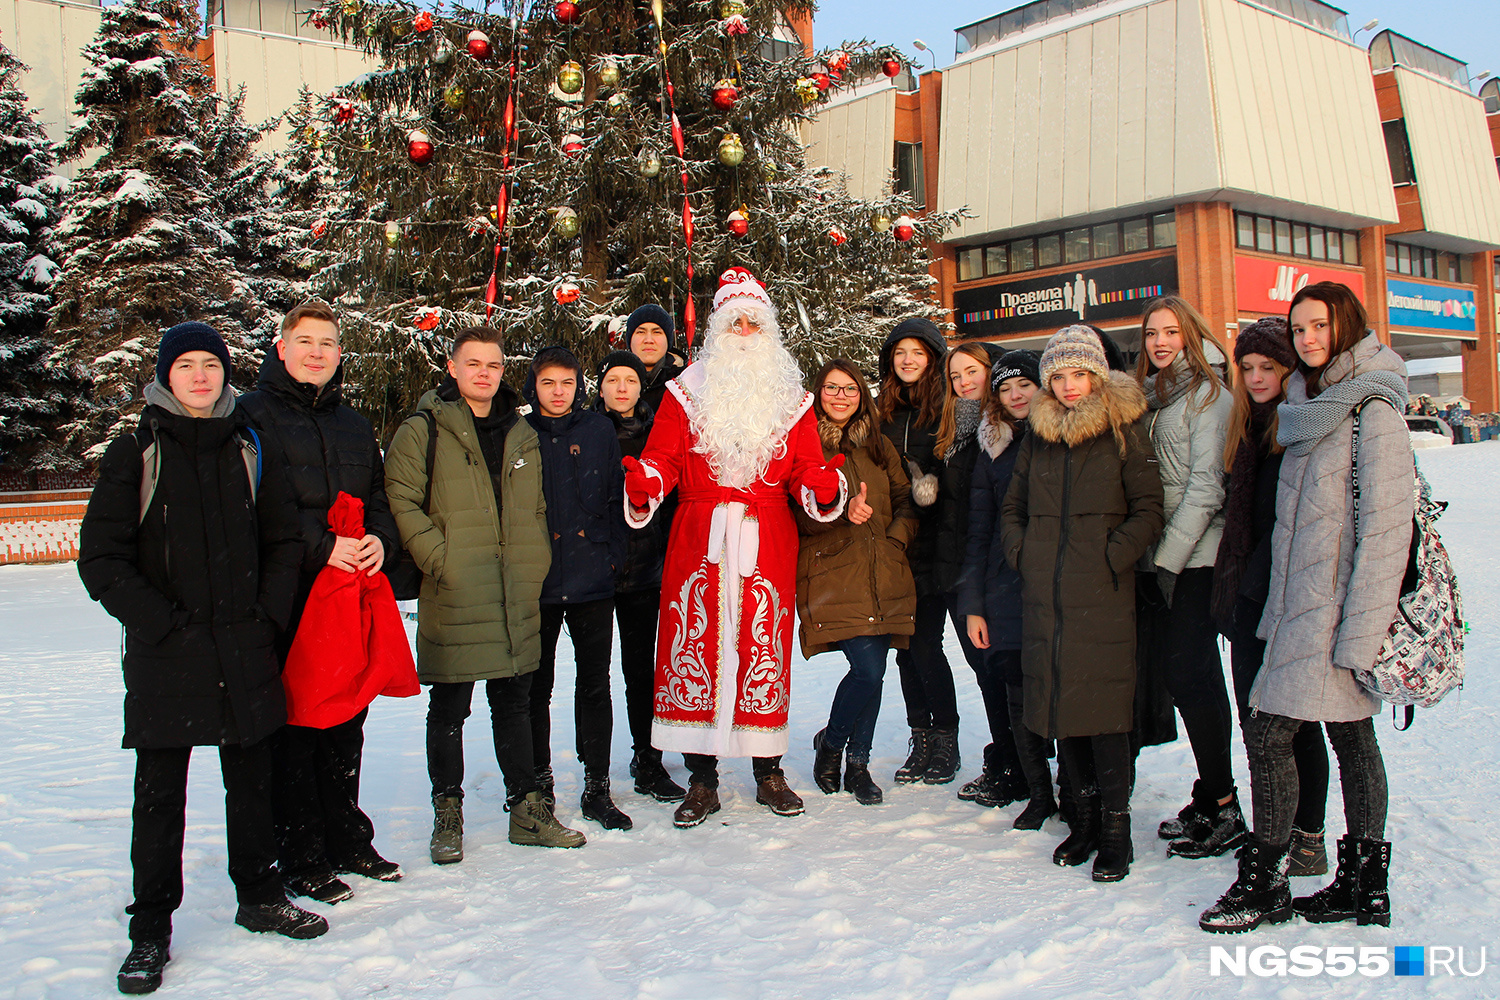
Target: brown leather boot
x,y
701,803
774,793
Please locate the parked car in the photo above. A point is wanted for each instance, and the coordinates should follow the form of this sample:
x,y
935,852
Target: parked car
x,y
1428,432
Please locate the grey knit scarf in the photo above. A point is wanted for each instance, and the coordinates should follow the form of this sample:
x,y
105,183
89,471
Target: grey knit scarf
x,y
1303,422
966,414
1181,383
159,395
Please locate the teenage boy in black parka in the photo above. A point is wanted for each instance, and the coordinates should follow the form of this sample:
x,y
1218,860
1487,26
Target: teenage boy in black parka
x,y
328,449
201,579
651,335
583,484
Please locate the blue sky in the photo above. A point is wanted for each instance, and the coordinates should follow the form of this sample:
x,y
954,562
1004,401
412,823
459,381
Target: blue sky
x,y
1465,29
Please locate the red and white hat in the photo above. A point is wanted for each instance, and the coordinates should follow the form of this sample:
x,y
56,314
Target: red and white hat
x,y
738,283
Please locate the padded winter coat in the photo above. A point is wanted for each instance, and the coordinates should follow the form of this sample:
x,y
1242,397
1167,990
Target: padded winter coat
x,y
654,387
914,443
1333,596
328,448
583,481
645,548
202,584
1077,517
1188,437
478,614
989,586
853,579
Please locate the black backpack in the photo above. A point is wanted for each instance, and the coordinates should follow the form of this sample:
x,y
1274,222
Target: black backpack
x,y
405,575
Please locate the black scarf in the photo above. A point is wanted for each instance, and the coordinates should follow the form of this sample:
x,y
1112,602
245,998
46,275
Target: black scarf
x,y
1238,541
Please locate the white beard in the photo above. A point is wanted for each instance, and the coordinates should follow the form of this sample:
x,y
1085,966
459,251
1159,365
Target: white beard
x,y
751,388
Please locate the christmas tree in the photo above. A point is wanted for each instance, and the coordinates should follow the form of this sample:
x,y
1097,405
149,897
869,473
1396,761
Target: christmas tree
x,y
34,393
551,166
144,241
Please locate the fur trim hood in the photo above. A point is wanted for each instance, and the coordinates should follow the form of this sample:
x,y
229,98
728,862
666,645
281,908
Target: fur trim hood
x,y
994,437
1113,406
846,439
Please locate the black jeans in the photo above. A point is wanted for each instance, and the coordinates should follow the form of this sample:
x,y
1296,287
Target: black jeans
x,y
158,821
1274,786
926,677
704,768
1184,649
592,631
1309,751
448,705
319,824
856,702
635,614
1100,765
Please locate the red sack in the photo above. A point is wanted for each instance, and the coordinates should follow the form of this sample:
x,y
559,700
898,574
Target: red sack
x,y
350,645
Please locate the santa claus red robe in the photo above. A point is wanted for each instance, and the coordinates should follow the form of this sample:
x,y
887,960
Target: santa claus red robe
x,y
728,590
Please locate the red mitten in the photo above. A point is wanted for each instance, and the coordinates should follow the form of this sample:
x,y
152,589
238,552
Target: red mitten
x,y
824,482
640,489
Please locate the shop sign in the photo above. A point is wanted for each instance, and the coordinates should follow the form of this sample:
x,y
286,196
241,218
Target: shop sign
x,y
1432,307
1267,286
1082,296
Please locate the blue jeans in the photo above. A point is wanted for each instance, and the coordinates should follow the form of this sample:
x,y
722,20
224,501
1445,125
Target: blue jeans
x,y
856,703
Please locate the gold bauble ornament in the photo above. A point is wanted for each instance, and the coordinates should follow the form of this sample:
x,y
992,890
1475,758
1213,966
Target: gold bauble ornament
x,y
731,150
768,170
880,222
392,234
570,77
351,7
648,163
565,222
730,8
454,96
618,104
609,74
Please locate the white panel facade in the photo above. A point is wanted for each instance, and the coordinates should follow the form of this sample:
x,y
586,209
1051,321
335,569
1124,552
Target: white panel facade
x,y
1453,157
1297,119
49,38
857,136
274,68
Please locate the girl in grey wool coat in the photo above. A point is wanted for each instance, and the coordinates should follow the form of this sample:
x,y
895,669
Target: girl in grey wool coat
x,y
1336,579
1180,369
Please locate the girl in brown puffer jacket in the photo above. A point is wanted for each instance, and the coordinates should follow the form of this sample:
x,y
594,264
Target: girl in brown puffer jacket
x,y
854,587
1085,502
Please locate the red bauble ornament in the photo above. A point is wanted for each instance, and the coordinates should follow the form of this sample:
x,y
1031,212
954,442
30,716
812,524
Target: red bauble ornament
x,y
419,147
892,67
739,224
567,12
823,80
428,318
837,236
479,45
572,144
725,94
566,293
319,228
343,111
838,62
905,228
422,22
319,21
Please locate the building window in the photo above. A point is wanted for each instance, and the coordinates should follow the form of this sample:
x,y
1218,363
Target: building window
x,y
996,261
1023,255
970,263
910,176
1424,262
1049,251
1137,235
1076,245
1296,239
1497,273
1398,152
1164,229
1107,240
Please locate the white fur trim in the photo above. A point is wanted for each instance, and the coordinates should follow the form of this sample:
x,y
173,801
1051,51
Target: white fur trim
x,y
635,518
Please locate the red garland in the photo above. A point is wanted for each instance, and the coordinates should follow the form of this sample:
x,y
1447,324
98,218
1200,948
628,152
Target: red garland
x,y
502,199
689,309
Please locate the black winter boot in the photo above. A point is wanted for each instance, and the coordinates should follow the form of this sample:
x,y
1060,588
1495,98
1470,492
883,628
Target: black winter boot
x,y
651,777
281,918
1335,901
595,804
142,969
324,886
1260,895
1067,801
1083,838
857,781
1115,849
1225,831
981,789
1037,811
943,764
1193,819
826,765
916,761
1372,901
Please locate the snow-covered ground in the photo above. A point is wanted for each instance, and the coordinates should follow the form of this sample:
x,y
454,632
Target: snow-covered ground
x,y
924,896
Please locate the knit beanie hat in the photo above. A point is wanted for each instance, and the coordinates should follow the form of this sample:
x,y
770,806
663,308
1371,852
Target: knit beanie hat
x,y
739,285
185,337
1016,364
649,313
622,359
1112,352
1270,337
1073,347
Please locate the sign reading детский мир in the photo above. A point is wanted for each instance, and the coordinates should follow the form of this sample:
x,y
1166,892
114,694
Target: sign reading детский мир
x,y
1082,295
1433,307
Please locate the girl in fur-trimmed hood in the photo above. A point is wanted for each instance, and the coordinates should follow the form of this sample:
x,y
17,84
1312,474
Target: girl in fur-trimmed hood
x,y
1085,502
